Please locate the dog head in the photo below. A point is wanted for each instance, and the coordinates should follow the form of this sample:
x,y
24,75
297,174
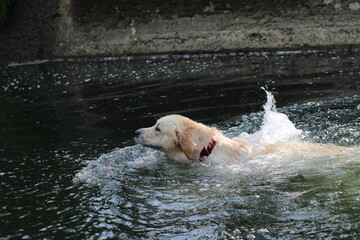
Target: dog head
x,y
173,135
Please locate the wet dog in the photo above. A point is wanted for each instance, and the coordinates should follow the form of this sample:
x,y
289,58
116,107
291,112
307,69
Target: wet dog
x,y
181,138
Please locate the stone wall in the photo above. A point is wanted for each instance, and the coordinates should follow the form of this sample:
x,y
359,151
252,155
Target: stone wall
x,y
83,28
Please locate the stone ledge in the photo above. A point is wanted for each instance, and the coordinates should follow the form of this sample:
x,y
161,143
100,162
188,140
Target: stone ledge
x,y
224,32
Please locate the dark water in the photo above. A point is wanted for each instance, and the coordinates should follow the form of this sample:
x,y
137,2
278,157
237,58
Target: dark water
x,y
58,116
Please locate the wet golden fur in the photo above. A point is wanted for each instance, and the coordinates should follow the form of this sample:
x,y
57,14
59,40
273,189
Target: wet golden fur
x,y
181,138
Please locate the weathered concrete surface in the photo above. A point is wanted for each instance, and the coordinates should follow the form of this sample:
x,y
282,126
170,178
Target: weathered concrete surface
x,y
83,28
211,34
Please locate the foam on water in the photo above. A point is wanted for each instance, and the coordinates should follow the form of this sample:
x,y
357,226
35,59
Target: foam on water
x,y
143,190
276,128
114,165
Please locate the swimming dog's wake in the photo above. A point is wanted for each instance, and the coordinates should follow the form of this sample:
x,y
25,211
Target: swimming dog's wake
x,y
276,128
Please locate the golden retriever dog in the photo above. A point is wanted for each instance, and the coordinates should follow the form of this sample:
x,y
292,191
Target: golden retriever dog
x,y
183,139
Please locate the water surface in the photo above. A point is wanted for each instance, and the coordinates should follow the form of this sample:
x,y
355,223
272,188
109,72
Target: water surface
x,y
61,117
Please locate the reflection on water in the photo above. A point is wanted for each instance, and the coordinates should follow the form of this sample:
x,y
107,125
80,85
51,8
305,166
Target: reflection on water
x,y
58,115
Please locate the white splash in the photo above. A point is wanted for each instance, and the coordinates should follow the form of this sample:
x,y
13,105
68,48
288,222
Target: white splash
x,y
276,127
111,167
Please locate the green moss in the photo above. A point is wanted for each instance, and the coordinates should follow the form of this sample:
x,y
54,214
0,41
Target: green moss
x,y
4,7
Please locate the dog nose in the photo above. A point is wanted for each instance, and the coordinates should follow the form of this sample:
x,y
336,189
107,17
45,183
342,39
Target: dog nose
x,y
138,132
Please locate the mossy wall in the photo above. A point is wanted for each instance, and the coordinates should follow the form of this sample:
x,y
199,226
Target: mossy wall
x,y
28,29
4,9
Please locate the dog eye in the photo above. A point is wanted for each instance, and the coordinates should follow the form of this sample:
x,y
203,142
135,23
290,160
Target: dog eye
x,y
157,129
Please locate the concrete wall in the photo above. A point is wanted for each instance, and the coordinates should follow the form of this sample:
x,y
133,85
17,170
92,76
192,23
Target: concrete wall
x,y
83,28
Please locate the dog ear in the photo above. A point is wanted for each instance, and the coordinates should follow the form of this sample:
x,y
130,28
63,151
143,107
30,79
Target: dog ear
x,y
187,144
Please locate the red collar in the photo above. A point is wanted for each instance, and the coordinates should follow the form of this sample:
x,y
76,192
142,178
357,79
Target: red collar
x,y
207,151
